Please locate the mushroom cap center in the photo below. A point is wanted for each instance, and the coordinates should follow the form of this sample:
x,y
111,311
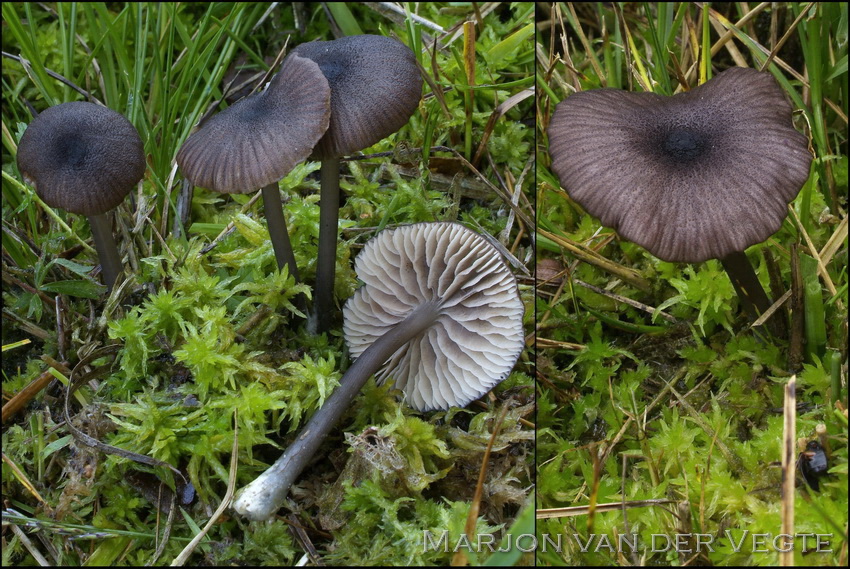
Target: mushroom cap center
x,y
683,145
70,150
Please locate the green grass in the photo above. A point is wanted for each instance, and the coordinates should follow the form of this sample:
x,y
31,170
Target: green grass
x,y
632,406
209,336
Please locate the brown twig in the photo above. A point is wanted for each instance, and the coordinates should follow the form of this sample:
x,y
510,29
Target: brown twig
x,y
460,558
225,503
789,437
572,511
25,395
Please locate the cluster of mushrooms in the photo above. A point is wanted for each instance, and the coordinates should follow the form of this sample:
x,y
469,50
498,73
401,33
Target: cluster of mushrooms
x,y
695,176
439,311
329,99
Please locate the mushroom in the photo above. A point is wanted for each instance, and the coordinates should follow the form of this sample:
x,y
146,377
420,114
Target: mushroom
x,y
257,141
375,88
699,175
439,312
84,158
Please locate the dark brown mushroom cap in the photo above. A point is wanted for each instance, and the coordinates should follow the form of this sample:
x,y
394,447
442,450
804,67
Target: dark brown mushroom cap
x,y
375,88
260,139
690,177
81,157
477,336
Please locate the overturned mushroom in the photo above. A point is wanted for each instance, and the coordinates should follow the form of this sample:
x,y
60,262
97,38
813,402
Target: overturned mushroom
x,y
699,175
439,312
258,140
85,159
375,88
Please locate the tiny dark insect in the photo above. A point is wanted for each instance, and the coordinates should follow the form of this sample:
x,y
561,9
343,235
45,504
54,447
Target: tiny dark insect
x,y
166,357
813,464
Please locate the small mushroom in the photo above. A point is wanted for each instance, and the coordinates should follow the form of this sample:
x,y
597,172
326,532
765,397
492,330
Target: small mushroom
x,y
699,175
439,312
375,88
84,158
257,141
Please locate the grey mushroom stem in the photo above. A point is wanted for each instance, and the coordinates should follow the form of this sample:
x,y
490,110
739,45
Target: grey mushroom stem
x,y
753,297
260,499
328,230
107,250
277,229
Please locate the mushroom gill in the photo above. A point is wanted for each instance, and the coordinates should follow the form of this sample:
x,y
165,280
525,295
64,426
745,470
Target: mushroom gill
x,y
476,333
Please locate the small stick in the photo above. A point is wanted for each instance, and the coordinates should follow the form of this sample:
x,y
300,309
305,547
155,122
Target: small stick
x,y
626,300
25,395
30,547
230,226
789,479
228,496
589,256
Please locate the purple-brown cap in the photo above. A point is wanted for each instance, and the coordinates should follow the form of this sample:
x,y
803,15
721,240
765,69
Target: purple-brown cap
x,y
690,177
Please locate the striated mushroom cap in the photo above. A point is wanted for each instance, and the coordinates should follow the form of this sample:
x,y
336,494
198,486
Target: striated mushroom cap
x,y
474,342
375,88
260,139
690,177
81,157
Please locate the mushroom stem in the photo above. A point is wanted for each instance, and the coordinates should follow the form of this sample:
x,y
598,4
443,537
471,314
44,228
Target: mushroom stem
x,y
753,296
277,229
107,250
328,229
260,499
